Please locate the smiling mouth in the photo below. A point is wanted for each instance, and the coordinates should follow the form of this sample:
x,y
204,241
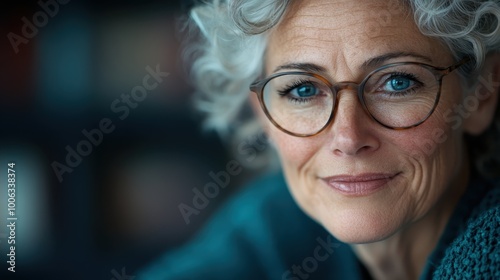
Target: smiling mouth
x,y
359,185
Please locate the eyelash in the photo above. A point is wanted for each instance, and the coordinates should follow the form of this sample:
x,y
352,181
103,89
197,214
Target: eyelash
x,y
406,75
286,92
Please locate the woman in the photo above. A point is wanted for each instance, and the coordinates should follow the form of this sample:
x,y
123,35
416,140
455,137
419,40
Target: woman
x,y
384,118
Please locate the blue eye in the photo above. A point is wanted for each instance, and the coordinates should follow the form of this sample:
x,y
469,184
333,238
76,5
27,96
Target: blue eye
x,y
399,83
305,90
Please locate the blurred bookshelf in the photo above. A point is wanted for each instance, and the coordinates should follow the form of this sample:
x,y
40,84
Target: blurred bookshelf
x,y
118,207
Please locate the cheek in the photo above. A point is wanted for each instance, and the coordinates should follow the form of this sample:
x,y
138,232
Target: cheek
x,y
434,148
298,157
441,134
293,151
434,153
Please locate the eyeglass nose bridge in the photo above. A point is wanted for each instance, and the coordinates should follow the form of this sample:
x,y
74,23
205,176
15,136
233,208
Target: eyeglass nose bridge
x,y
340,86
337,88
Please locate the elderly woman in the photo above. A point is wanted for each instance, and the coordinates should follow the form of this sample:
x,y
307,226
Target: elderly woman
x,y
384,117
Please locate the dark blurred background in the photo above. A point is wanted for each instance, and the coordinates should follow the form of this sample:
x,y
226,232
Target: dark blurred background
x,y
118,208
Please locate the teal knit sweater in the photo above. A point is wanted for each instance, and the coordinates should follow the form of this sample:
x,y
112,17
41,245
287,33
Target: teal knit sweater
x,y
262,234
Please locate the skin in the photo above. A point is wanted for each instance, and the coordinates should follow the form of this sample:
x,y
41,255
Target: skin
x,y
393,230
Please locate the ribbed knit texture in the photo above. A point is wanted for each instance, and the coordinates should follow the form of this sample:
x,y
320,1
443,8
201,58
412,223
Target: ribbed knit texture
x,y
475,253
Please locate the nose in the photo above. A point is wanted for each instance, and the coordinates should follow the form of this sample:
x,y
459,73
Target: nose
x,y
352,130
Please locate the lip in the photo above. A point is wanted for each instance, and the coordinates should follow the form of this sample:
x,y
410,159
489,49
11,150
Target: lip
x,y
359,185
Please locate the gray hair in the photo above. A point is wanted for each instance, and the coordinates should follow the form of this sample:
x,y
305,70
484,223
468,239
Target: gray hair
x,y
231,38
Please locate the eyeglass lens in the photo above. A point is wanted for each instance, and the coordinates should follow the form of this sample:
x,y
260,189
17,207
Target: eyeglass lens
x,y
398,96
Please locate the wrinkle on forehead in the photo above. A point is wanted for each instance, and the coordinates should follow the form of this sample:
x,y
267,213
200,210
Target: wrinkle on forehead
x,y
321,18
341,33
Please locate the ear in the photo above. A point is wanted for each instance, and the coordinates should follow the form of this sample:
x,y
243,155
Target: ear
x,y
486,93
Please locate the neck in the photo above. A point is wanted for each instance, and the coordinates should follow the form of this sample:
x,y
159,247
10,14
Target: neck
x,y
404,254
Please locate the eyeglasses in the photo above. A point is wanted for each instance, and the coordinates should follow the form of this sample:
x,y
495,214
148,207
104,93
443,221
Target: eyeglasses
x,y
397,96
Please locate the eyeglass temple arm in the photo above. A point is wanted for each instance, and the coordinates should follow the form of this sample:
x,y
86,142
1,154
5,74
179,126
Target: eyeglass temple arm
x,y
460,63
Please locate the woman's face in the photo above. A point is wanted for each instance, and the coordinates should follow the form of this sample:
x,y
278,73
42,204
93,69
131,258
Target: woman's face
x,y
360,180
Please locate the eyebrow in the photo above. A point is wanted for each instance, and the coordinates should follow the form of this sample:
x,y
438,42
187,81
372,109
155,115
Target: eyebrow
x,y
376,61
372,62
307,67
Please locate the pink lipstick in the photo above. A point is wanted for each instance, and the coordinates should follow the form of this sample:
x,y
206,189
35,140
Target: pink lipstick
x,y
359,185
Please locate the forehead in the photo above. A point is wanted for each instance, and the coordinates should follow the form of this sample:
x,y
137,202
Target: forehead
x,y
339,32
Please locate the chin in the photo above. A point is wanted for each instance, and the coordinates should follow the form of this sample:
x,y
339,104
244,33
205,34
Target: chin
x,y
356,228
